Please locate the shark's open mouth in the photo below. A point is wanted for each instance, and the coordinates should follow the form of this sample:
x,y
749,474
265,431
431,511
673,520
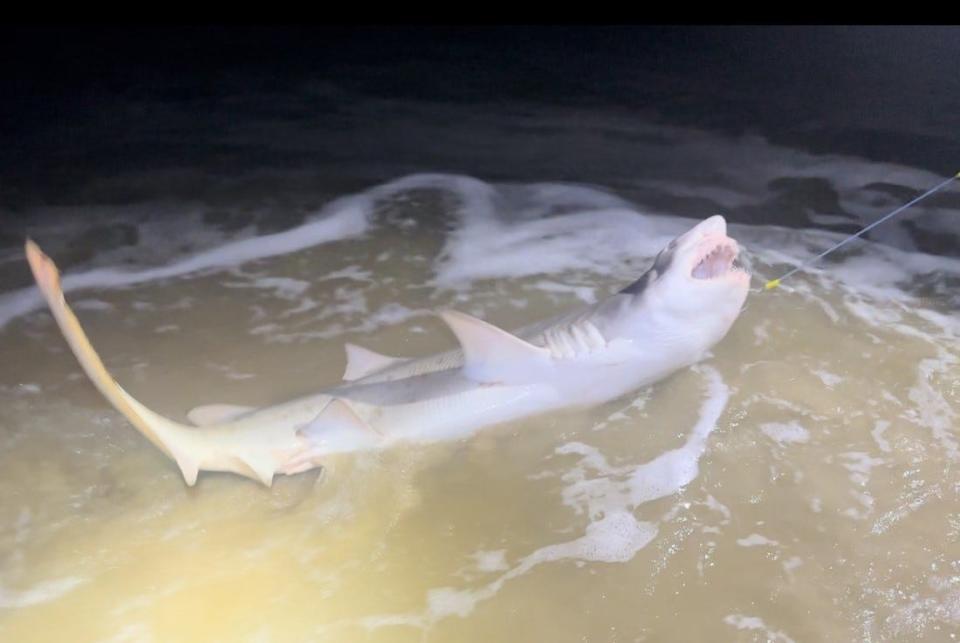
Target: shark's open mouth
x,y
716,263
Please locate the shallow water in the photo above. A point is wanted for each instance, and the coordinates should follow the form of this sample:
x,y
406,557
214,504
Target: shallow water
x,y
799,484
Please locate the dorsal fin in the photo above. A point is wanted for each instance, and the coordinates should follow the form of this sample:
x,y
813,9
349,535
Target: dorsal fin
x,y
491,353
363,361
216,413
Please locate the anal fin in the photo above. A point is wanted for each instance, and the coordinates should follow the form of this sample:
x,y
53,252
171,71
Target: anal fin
x,y
260,465
188,463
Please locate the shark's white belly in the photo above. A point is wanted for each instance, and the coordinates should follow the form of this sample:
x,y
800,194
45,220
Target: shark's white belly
x,y
422,404
459,415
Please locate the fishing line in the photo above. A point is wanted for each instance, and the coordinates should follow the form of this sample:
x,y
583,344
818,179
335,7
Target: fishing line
x,y
773,283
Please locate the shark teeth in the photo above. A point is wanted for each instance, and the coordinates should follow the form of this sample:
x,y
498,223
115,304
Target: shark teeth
x,y
715,263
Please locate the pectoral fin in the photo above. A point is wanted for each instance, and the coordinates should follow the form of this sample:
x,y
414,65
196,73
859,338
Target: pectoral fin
x,y
338,428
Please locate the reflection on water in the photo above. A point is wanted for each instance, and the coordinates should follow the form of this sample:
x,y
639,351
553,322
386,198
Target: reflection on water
x,y
800,484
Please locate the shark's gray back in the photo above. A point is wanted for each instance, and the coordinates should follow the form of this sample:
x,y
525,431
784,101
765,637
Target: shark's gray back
x,y
565,335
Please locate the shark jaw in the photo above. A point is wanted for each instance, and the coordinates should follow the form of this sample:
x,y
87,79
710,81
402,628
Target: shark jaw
x,y
718,261
715,254
666,320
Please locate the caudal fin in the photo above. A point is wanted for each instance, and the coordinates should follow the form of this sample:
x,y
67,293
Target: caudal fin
x,y
172,438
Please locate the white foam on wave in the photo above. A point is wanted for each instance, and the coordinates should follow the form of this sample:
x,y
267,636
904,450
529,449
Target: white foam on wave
x,y
879,428
27,388
580,228
616,149
282,287
632,486
829,379
614,538
92,304
498,228
785,433
877,271
39,593
859,466
931,409
341,219
565,227
576,228
757,540
608,495
491,561
755,623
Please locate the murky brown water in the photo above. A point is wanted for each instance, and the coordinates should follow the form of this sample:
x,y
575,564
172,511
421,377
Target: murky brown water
x,y
801,484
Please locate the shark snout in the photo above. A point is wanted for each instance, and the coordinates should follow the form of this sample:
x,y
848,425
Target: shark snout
x,y
715,225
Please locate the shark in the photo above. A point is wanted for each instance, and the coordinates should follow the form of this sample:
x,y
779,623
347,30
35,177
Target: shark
x,y
666,320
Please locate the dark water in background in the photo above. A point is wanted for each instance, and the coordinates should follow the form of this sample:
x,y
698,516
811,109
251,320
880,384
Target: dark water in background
x,y
105,129
83,107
